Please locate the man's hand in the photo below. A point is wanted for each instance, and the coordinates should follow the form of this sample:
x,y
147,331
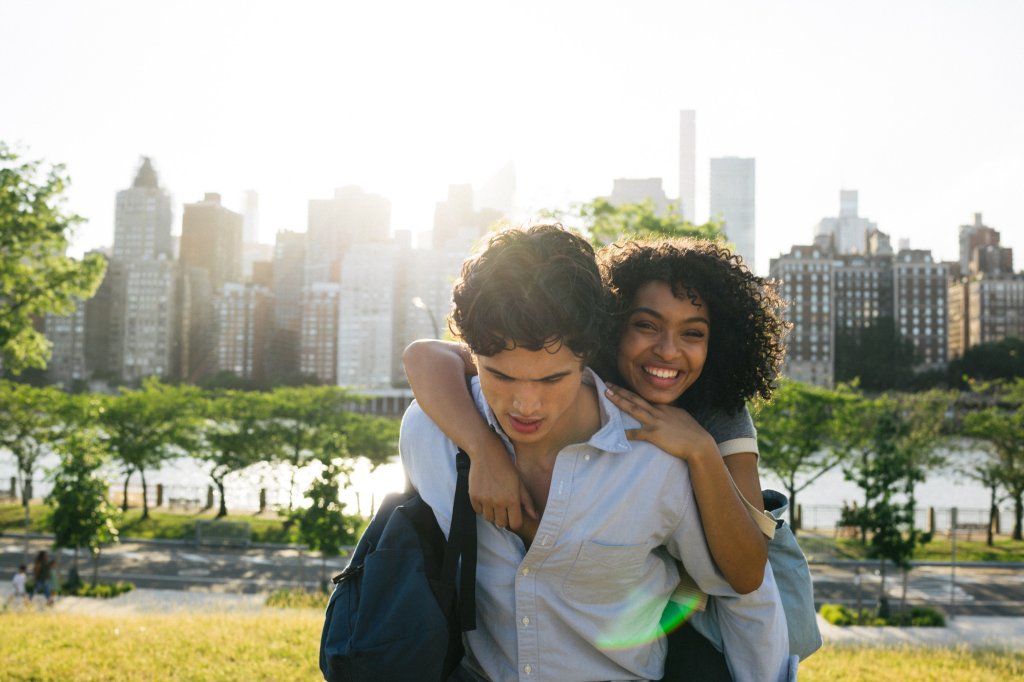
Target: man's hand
x,y
495,488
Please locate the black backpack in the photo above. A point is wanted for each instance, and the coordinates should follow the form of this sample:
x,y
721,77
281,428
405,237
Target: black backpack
x,y
395,613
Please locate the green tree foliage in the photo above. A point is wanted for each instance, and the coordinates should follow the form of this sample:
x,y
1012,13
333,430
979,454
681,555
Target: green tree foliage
x,y
988,361
894,440
148,426
36,277
605,222
796,436
82,516
30,426
315,423
235,434
876,357
1000,428
325,526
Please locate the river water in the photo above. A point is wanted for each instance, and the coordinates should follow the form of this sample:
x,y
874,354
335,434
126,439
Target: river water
x,y
187,479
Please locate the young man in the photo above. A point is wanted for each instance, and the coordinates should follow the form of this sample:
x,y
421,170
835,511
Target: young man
x,y
577,594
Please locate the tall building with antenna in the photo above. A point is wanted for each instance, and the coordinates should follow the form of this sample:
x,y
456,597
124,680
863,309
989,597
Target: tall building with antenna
x,y
687,163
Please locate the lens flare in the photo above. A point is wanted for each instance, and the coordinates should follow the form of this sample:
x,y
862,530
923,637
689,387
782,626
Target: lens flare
x,y
674,615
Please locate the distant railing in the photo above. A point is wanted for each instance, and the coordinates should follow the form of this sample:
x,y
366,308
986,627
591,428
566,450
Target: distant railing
x,y
935,519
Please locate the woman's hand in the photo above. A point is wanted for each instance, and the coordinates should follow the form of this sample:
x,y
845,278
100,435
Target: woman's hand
x,y
670,428
495,488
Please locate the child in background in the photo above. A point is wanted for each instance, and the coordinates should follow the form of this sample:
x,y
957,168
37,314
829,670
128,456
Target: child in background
x,y
19,596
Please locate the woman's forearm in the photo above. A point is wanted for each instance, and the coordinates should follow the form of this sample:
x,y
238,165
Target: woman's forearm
x,y
437,374
736,543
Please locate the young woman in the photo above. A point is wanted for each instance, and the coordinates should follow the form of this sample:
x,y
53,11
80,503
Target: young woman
x,y
697,336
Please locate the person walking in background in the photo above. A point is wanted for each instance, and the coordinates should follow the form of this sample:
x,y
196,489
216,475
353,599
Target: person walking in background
x,y
42,576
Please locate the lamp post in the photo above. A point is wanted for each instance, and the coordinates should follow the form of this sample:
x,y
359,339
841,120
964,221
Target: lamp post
x,y
421,304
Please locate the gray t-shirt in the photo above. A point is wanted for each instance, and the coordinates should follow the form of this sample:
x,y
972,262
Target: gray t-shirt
x,y
734,433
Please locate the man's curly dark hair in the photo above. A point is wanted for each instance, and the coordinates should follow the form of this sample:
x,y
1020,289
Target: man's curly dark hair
x,y
745,345
535,287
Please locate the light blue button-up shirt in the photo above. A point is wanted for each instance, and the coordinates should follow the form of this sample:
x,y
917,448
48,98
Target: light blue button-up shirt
x,y
584,602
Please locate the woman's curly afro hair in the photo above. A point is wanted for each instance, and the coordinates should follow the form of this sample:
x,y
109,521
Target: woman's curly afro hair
x,y
745,348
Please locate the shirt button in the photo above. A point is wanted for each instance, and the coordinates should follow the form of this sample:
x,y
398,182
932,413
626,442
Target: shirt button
x,y
545,541
526,571
527,668
587,457
526,620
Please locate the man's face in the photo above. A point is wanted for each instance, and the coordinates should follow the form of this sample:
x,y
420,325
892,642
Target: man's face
x,y
532,393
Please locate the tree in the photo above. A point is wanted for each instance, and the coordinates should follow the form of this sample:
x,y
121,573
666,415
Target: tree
x,y
876,357
606,222
988,361
324,526
308,423
36,277
987,469
894,441
234,436
82,516
796,436
30,425
148,426
1000,426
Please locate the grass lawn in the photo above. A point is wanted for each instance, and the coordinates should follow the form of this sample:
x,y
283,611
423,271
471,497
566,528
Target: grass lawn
x,y
55,646
162,525
825,547
283,646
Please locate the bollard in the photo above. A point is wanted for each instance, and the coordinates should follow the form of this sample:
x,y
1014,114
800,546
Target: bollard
x,y
263,500
159,494
931,520
799,517
995,523
209,497
14,487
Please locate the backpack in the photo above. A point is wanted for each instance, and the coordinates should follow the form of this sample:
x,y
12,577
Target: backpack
x,y
792,576
395,613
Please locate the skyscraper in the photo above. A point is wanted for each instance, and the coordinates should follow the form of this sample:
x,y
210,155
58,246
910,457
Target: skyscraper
x,y
142,218
335,224
288,264
849,231
807,276
733,200
638,190
211,256
143,278
987,300
687,163
456,223
250,217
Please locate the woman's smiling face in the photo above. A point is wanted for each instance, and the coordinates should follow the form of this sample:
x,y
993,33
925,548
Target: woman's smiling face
x,y
664,344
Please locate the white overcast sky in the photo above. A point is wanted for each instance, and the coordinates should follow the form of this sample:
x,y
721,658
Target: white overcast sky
x,y
919,105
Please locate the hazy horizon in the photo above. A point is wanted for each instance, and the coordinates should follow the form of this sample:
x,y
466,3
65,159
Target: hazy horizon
x,y
911,103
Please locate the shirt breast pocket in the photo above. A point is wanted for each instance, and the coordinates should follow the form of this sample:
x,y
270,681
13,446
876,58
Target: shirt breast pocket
x,y
604,573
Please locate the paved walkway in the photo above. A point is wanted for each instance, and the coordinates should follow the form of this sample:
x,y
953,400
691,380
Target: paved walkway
x,y
975,631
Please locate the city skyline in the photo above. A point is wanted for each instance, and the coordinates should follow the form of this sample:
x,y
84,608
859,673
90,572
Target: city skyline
x,y
901,104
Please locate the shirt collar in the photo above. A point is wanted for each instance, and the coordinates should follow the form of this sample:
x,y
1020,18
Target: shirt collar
x,y
611,437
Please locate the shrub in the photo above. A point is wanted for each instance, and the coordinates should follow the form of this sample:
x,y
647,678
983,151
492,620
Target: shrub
x,y
919,616
298,598
837,614
98,591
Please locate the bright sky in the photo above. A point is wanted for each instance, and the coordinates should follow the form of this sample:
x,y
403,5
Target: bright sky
x,y
918,104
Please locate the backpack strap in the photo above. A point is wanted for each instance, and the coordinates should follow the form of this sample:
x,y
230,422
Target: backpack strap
x,y
764,519
462,544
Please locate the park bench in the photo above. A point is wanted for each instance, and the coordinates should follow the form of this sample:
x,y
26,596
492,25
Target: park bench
x,y
223,533
186,503
971,528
